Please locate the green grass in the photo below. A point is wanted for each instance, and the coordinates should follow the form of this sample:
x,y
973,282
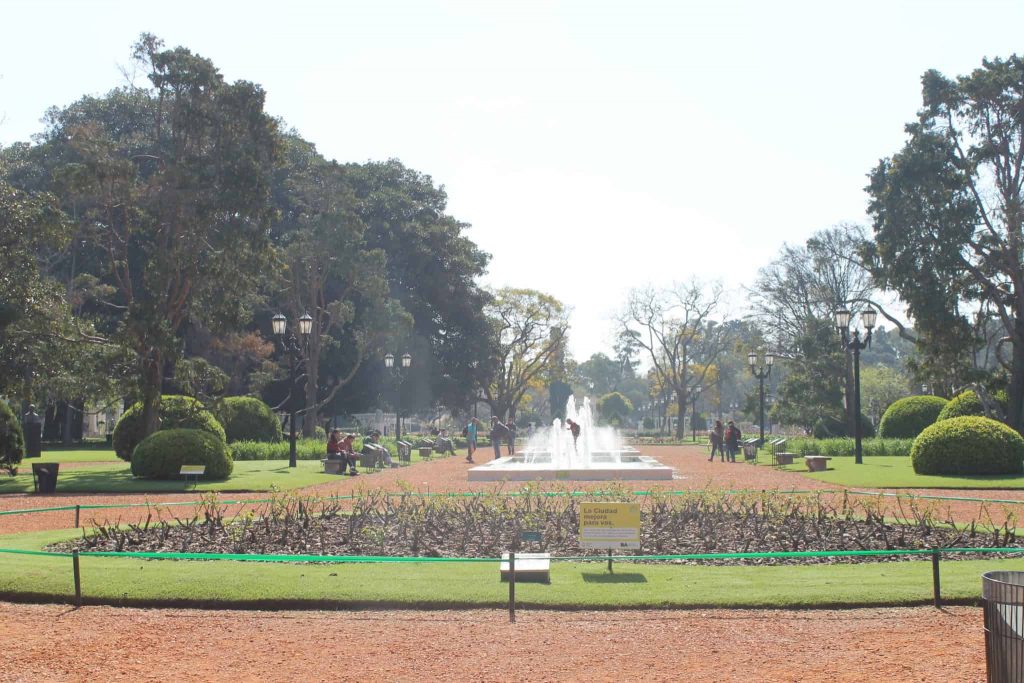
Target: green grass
x,y
573,585
73,455
892,472
256,475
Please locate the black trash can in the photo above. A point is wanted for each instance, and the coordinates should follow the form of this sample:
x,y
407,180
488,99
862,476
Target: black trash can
x,y
1003,600
44,476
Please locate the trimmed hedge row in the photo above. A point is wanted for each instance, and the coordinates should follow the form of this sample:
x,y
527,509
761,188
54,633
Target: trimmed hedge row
x,y
248,419
907,417
968,445
846,447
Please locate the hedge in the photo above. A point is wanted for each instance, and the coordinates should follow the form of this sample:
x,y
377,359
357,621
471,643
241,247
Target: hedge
x,y
176,412
907,417
965,403
846,447
161,454
248,419
969,445
12,440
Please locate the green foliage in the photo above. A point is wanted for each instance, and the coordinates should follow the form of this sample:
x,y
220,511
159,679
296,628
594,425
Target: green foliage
x,y
839,447
161,455
12,441
614,408
176,412
829,427
907,417
305,449
812,388
968,445
248,419
964,403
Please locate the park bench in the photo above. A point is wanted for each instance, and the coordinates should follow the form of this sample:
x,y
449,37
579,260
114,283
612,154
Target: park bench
x,y
193,471
332,465
371,457
817,463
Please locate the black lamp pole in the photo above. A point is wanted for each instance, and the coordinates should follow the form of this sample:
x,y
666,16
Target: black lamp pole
x,y
291,345
397,373
762,370
852,343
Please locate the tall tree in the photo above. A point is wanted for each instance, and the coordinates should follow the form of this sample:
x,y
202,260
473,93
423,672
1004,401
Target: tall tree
x,y
529,329
169,185
948,211
676,327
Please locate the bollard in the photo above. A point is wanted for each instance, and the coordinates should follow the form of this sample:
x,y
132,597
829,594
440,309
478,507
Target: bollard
x,y
935,577
78,579
609,560
511,587
78,512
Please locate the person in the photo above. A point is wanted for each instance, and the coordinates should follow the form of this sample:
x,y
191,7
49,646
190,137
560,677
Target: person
x,y
499,433
341,449
373,446
511,437
732,441
443,444
470,432
575,429
717,438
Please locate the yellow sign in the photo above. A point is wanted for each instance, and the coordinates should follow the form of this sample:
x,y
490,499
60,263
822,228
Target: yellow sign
x,y
610,525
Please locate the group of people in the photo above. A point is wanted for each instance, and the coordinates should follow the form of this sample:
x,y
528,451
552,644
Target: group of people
x,y
725,441
501,433
343,448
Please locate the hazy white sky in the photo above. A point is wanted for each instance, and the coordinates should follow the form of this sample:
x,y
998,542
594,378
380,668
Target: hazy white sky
x,y
593,146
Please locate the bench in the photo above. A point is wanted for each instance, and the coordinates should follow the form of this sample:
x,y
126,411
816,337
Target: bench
x,y
817,463
778,446
749,449
371,458
193,471
783,458
332,465
425,452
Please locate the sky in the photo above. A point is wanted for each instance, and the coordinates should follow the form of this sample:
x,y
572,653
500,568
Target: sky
x,y
592,146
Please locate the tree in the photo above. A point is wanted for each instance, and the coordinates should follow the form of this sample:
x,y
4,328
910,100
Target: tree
x,y
529,329
614,408
948,209
169,186
675,327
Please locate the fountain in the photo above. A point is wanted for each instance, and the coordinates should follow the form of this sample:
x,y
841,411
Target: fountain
x,y
551,453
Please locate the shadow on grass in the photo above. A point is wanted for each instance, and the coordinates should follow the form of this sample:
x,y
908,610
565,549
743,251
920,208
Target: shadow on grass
x,y
622,577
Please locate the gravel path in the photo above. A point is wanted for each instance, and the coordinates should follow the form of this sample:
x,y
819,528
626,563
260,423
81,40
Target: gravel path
x,y
55,643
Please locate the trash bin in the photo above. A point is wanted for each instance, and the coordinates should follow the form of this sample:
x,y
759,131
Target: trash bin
x,y
44,476
1003,599
750,451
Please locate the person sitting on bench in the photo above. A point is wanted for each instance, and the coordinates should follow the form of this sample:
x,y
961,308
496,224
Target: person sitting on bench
x,y
341,449
372,445
443,444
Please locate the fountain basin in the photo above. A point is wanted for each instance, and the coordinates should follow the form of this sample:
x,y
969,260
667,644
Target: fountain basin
x,y
630,466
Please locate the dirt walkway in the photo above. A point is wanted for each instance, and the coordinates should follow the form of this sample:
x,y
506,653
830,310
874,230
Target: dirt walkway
x,y
694,472
53,643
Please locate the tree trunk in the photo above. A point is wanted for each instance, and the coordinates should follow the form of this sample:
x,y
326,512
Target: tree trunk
x,y
152,382
681,410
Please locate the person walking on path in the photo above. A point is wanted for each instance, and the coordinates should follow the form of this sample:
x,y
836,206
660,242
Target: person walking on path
x,y
717,438
470,432
499,433
732,440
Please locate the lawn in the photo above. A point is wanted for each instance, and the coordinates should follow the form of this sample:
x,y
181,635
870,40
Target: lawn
x,y
74,455
884,472
116,477
573,584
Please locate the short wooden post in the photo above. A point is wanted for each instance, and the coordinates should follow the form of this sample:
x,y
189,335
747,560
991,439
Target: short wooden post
x,y
935,577
78,578
78,513
609,560
512,587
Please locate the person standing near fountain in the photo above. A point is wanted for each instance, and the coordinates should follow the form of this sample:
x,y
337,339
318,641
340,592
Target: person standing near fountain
x,y
499,433
575,429
732,441
469,431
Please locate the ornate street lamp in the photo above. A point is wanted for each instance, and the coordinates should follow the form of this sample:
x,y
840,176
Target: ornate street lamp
x,y
852,344
762,370
295,350
405,362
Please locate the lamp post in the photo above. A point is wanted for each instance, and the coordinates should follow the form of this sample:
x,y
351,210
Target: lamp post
x,y
397,372
761,368
693,413
292,346
852,343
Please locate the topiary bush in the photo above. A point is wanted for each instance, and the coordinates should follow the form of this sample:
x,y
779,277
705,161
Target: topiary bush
x,y
161,454
964,403
907,417
248,419
968,445
176,412
12,440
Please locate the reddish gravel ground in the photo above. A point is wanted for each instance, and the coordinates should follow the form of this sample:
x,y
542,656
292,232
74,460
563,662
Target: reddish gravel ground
x,y
51,643
55,643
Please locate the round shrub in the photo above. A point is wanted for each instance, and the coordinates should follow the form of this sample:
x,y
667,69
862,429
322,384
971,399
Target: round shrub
x,y
12,441
968,445
176,412
907,417
964,403
248,419
161,454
